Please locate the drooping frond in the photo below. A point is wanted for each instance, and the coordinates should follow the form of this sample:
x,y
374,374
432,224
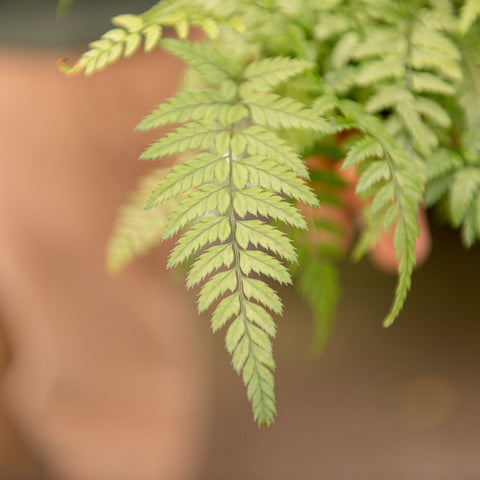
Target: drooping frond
x,y
396,185
242,179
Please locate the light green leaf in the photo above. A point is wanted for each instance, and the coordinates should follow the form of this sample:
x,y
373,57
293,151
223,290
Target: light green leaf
x,y
366,147
206,231
265,143
260,291
466,183
152,35
257,233
189,137
377,70
441,163
206,59
189,174
261,172
234,333
384,196
216,286
260,262
195,105
424,82
115,35
257,314
375,172
212,259
225,310
283,112
240,354
263,203
132,42
470,13
132,23
201,202
267,73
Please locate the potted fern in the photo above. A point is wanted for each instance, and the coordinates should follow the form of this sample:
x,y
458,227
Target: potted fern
x,y
387,89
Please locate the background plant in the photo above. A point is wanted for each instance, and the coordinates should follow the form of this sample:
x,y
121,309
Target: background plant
x,y
389,88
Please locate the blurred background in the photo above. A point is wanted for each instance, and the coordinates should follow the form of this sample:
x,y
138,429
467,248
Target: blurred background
x,y
113,379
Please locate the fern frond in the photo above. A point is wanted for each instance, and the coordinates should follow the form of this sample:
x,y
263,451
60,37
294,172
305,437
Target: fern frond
x,y
433,111
423,136
375,172
260,202
226,309
282,112
133,30
251,354
189,137
205,231
245,170
424,82
265,173
203,201
400,61
261,292
256,232
376,71
406,179
122,41
441,163
216,286
364,148
469,88
388,96
466,183
207,104
189,174
261,262
207,60
211,259
470,13
267,73
258,141
136,231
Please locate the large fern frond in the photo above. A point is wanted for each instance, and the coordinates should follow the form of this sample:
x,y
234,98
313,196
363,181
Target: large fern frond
x,y
244,171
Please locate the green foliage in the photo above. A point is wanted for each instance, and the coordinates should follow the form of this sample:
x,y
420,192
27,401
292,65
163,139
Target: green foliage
x,y
137,231
244,171
390,89
319,284
454,184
